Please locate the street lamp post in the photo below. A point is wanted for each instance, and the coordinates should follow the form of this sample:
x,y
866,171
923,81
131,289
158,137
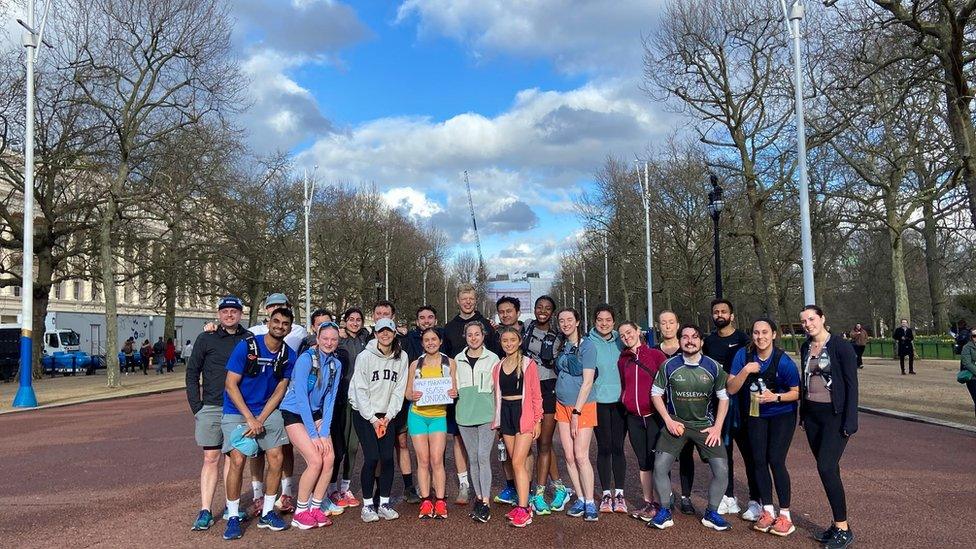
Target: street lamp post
x,y
645,185
793,17
606,269
309,193
32,38
586,316
715,205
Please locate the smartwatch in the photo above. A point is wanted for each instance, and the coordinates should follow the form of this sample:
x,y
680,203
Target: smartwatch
x,y
577,412
779,398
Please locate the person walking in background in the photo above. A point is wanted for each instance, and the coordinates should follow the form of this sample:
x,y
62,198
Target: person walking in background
x,y
904,337
128,352
187,352
147,357
960,336
859,338
968,364
170,354
159,354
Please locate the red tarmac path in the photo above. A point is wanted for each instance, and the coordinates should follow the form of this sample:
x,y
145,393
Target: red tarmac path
x,y
124,473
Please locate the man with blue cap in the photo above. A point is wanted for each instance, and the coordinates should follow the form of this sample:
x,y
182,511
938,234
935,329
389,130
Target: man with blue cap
x,y
205,376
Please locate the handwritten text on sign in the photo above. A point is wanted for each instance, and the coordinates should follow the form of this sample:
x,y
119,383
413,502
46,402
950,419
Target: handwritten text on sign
x,y
434,390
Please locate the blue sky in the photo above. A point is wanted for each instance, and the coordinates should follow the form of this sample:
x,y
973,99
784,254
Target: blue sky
x,y
529,97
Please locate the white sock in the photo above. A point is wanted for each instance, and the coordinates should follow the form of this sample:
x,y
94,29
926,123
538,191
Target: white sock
x,y
785,513
384,500
344,485
258,488
606,493
286,484
233,507
269,501
770,509
618,492
589,502
462,478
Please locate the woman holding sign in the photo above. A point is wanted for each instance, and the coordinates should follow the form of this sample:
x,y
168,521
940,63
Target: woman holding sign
x,y
475,409
518,414
430,386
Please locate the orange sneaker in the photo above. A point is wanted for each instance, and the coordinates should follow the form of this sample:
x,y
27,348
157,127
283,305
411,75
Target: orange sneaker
x,y
440,509
765,522
426,509
782,527
348,499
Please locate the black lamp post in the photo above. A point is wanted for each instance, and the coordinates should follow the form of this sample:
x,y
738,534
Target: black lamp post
x,y
715,205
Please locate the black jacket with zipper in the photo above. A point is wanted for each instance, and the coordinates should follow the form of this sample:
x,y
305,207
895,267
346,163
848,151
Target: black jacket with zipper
x,y
843,388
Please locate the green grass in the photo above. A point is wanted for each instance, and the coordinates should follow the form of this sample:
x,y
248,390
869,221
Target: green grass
x,y
927,347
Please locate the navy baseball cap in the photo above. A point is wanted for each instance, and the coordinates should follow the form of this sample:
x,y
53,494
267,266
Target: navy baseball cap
x,y
231,301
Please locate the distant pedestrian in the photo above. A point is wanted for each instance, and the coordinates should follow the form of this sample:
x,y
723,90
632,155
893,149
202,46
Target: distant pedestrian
x,y
187,351
158,352
147,357
969,363
904,337
859,338
170,354
128,352
960,336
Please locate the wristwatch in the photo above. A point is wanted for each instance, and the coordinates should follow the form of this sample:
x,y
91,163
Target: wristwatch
x,y
577,412
779,398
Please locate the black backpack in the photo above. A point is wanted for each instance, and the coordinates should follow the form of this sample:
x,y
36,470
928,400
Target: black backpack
x,y
252,368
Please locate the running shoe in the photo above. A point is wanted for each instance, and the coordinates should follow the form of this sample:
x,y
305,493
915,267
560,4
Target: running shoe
x,y
484,515
842,539
510,516
522,517
233,530
426,509
410,495
320,517
285,504
368,513
241,514
590,513
606,504
560,497
753,512
304,520
782,527
538,503
508,495
336,498
620,504
730,505
349,500
826,535
387,512
715,521
330,508
440,509
257,508
687,508
464,491
662,519
577,509
765,522
204,520
644,512
272,521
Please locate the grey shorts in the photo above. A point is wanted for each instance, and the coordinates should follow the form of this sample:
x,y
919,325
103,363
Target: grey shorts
x,y
207,427
272,437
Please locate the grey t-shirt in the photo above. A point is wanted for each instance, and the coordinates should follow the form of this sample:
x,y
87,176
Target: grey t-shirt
x,y
535,347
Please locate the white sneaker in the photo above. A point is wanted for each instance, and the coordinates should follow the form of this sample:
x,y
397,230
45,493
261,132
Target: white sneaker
x,y
728,506
368,514
734,508
464,492
388,512
754,511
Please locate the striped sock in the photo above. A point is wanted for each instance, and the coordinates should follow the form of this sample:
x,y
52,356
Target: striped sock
x,y
302,506
316,503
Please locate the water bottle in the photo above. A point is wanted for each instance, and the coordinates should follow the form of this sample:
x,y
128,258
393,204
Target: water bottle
x,y
754,400
502,451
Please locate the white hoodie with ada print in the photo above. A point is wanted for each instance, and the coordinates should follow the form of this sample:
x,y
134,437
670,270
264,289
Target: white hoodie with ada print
x,y
378,383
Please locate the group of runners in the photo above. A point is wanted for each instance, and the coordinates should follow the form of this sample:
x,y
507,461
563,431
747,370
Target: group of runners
x,y
509,388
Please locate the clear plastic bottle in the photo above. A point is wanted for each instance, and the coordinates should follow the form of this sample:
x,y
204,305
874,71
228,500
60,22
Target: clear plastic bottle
x,y
502,451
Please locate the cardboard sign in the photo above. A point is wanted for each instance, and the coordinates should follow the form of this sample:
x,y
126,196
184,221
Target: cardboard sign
x,y
434,391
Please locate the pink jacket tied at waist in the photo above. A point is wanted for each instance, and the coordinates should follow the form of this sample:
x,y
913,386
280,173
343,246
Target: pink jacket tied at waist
x,y
531,396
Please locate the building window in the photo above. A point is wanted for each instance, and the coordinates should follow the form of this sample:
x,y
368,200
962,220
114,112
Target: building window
x,y
95,293
57,291
78,290
17,291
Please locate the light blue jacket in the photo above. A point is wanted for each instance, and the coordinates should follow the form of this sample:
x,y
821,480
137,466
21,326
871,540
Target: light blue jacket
x,y
606,386
309,393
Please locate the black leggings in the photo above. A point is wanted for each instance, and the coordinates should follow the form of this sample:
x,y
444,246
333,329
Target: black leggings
x,y
827,441
770,440
971,385
686,469
338,431
643,433
911,361
611,429
740,436
375,451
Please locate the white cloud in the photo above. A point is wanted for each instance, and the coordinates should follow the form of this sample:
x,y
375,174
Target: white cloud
x,y
596,36
411,202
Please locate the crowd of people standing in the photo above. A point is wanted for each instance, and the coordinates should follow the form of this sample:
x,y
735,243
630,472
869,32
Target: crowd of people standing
x,y
505,390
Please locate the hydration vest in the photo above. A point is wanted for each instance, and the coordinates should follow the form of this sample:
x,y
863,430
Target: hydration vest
x,y
550,343
252,368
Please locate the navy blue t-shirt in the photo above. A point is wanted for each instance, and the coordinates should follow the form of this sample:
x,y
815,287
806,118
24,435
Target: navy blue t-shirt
x,y
258,389
787,375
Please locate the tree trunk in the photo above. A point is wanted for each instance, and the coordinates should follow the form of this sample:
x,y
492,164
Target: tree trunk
x,y
171,281
963,133
107,257
933,268
898,275
623,287
41,298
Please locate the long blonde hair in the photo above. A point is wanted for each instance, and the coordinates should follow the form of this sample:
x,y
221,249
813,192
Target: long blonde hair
x,y
518,353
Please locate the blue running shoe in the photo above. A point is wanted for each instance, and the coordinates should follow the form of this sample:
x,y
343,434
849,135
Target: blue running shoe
x,y
241,514
272,522
560,496
591,514
233,530
508,495
538,503
577,509
204,520
714,520
662,519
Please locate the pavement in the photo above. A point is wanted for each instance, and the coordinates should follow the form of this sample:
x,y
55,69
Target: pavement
x,y
125,471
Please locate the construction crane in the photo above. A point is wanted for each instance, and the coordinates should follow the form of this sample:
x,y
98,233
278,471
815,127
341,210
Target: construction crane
x,y
482,272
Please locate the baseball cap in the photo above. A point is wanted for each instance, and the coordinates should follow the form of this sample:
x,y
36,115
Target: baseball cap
x,y
230,301
276,299
245,445
385,324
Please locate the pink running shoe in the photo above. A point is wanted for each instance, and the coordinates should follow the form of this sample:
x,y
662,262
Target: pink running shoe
x,y
522,517
320,517
305,520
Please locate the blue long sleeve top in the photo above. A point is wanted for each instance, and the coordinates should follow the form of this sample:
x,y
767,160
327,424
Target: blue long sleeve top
x,y
309,393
